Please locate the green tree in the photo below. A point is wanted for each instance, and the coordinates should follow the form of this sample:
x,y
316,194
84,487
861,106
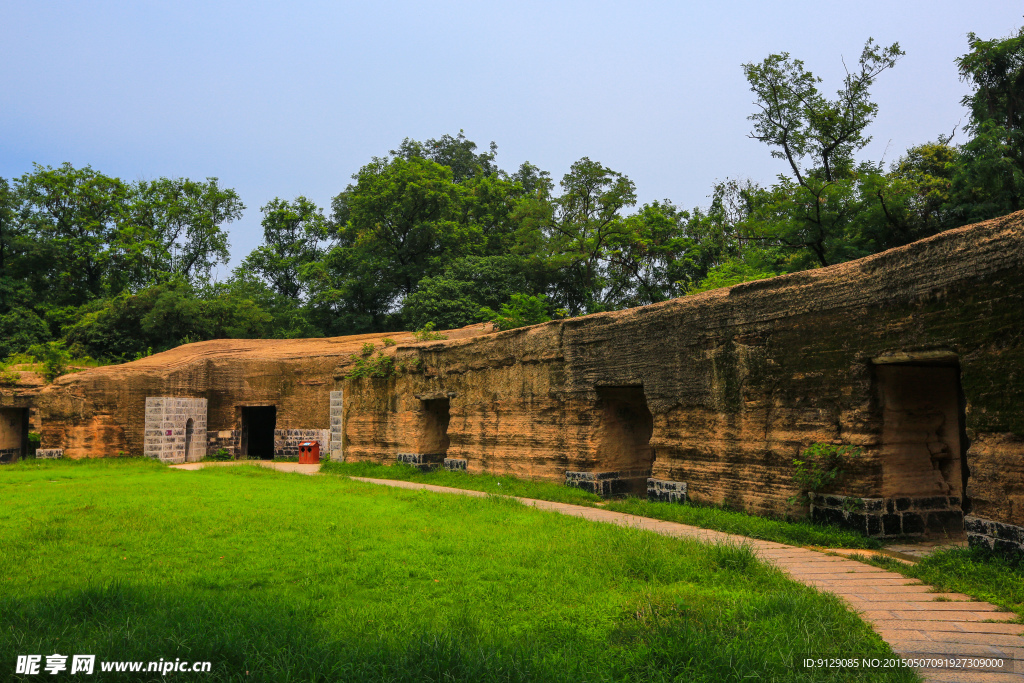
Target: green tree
x,y
71,216
811,210
292,236
396,225
457,153
990,179
576,232
176,226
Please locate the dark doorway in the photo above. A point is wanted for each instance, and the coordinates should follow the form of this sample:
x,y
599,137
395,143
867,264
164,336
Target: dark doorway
x,y
923,450
624,435
258,424
13,434
434,439
189,428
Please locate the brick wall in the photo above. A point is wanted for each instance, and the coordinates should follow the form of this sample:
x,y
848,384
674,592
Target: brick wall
x,y
166,422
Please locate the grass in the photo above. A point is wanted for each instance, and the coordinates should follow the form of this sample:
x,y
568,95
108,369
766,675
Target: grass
x,y
709,517
503,485
976,572
284,577
735,522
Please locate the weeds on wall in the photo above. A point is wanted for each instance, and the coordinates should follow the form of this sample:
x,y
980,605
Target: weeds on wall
x,y
372,366
821,466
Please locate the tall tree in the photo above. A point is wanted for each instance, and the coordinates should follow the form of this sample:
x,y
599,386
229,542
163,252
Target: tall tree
x,y
293,233
810,209
581,227
72,215
183,222
990,179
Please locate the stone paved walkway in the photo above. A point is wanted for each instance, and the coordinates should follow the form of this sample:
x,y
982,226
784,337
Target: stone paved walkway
x,y
916,622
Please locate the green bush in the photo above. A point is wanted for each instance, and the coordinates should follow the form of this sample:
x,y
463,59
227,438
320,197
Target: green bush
x,y
220,455
377,366
821,466
520,311
55,358
426,333
8,377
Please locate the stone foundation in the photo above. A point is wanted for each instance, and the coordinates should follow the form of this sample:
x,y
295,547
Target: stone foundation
x,y
665,491
222,438
455,464
50,453
10,454
422,461
609,484
986,533
883,517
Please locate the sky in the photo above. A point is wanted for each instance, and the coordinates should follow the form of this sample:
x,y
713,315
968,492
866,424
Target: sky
x,y
287,99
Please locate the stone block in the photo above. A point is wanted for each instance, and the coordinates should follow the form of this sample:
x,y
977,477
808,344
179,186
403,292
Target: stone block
x,y
666,491
891,525
455,464
913,524
50,453
945,521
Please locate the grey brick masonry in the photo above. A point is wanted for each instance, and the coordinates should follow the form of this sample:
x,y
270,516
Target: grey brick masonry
x,y
1003,538
889,516
50,453
337,426
166,421
286,441
609,483
666,491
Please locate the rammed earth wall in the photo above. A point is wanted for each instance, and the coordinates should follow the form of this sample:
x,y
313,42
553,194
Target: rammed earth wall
x,y
914,355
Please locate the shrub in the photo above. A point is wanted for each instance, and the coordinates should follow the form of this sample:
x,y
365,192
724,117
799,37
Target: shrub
x,y
220,455
520,311
426,333
821,466
367,350
8,377
377,366
388,341
55,358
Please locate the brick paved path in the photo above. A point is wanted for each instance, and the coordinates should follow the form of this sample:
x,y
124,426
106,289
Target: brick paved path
x,y
913,620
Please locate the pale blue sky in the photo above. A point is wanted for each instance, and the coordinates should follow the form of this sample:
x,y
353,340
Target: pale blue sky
x,y
282,99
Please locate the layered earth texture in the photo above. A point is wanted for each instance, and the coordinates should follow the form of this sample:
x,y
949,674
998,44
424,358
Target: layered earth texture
x,y
914,355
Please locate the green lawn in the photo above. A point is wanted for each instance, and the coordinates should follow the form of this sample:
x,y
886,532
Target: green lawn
x,y
797,532
285,577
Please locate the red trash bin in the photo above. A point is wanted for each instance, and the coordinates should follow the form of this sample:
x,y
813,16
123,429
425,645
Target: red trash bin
x,y
309,453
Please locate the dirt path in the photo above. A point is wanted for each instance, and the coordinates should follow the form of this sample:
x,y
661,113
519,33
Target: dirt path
x,y
916,622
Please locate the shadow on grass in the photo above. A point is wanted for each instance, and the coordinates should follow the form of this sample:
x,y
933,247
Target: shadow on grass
x,y
659,637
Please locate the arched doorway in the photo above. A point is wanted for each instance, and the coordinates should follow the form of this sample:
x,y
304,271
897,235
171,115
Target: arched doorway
x,y
189,427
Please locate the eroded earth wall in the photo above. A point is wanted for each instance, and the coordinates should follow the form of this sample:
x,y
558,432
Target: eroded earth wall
x,y
914,355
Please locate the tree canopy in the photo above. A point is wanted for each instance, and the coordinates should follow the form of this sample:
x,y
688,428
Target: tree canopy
x,y
436,233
